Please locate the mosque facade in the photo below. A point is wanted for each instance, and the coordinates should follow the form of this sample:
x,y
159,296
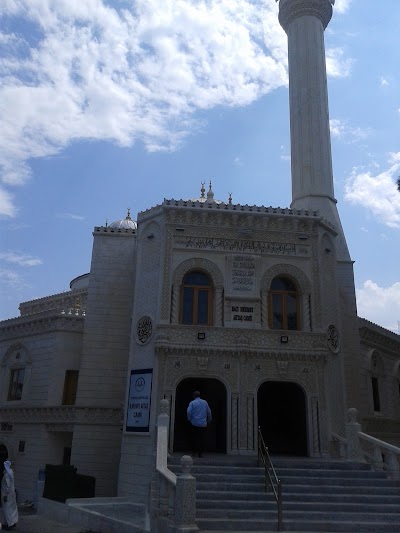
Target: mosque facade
x,y
252,305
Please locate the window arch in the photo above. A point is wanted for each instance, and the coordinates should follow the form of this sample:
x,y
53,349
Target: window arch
x,y
15,374
377,385
283,304
196,299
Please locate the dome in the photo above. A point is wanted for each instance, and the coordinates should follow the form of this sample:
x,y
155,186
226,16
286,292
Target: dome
x,y
124,223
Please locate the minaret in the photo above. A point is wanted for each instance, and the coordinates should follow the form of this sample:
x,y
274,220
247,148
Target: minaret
x,y
304,21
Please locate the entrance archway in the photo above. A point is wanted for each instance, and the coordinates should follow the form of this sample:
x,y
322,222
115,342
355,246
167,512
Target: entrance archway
x,y
282,417
214,392
3,453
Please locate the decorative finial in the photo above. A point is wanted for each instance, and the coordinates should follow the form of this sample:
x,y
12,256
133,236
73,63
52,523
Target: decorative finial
x,y
230,198
106,222
202,190
128,216
210,194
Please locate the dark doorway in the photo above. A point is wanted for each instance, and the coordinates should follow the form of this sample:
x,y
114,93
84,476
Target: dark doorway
x,y
214,392
282,417
3,454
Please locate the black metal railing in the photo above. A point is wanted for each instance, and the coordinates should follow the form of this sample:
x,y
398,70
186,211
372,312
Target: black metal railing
x,y
271,479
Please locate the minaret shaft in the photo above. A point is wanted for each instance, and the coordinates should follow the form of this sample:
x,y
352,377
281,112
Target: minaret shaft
x,y
309,114
312,177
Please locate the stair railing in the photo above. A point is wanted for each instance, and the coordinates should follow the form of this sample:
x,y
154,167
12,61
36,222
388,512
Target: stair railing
x,y
359,446
271,479
174,496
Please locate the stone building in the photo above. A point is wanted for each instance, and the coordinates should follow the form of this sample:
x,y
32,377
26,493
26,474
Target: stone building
x,y
253,305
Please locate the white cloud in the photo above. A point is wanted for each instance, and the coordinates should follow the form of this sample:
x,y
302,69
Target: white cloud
x,y
380,305
337,65
85,70
340,129
20,259
384,82
11,279
377,193
94,72
341,6
7,207
71,216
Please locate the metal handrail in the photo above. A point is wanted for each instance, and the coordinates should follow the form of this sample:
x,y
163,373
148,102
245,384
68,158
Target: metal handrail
x,y
272,480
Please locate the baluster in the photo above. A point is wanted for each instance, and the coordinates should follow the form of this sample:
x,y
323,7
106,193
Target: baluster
x,y
377,459
185,509
164,497
393,465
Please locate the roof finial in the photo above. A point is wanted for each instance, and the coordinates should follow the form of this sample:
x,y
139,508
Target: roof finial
x,y
230,198
210,194
128,216
202,190
106,222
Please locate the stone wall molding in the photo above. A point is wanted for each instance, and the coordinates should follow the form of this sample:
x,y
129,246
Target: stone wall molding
x,y
62,415
25,327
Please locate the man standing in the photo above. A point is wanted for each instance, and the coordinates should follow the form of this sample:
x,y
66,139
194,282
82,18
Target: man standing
x,y
8,499
199,415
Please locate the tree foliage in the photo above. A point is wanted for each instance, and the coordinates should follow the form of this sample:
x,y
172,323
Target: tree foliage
x,y
398,183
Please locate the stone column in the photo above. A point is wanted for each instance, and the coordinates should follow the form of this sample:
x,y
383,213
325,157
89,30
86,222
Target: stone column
x,y
218,306
175,305
264,308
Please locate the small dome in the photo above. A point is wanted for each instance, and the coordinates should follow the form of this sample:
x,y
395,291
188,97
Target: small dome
x,y
124,223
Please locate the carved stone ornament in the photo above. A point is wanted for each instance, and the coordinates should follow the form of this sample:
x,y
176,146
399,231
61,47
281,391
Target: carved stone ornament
x,y
333,339
144,329
289,11
202,363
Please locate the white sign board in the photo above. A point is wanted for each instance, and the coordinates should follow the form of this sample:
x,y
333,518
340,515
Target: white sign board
x,y
139,400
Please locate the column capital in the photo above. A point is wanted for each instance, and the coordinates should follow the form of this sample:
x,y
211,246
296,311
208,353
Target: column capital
x,y
289,10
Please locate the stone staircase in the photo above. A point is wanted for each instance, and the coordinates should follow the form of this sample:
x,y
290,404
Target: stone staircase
x,y
323,496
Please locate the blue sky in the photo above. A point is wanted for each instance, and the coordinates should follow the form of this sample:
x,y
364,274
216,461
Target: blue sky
x,y
106,105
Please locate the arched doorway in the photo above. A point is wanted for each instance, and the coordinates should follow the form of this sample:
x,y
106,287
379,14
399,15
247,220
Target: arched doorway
x,y
3,453
282,417
214,392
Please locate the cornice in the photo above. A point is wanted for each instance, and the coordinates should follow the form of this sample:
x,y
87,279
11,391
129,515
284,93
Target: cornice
x,y
62,415
379,337
184,340
112,232
66,301
27,326
253,213
293,9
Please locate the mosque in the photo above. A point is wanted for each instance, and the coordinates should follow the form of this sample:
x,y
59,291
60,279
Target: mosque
x,y
253,305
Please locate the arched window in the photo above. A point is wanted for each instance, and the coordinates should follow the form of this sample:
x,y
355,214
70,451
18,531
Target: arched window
x,y
283,304
196,299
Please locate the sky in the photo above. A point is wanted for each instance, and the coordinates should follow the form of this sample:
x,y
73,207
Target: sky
x,y
113,104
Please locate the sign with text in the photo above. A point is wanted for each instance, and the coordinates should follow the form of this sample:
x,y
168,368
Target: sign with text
x,y
242,313
139,400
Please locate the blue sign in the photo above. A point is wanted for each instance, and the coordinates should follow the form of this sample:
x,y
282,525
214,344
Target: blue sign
x,y
139,400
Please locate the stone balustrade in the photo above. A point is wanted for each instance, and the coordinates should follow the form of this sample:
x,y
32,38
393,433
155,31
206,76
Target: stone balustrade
x,y
360,446
174,508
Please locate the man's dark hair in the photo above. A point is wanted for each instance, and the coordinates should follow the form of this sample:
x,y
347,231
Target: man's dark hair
x,y
196,394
